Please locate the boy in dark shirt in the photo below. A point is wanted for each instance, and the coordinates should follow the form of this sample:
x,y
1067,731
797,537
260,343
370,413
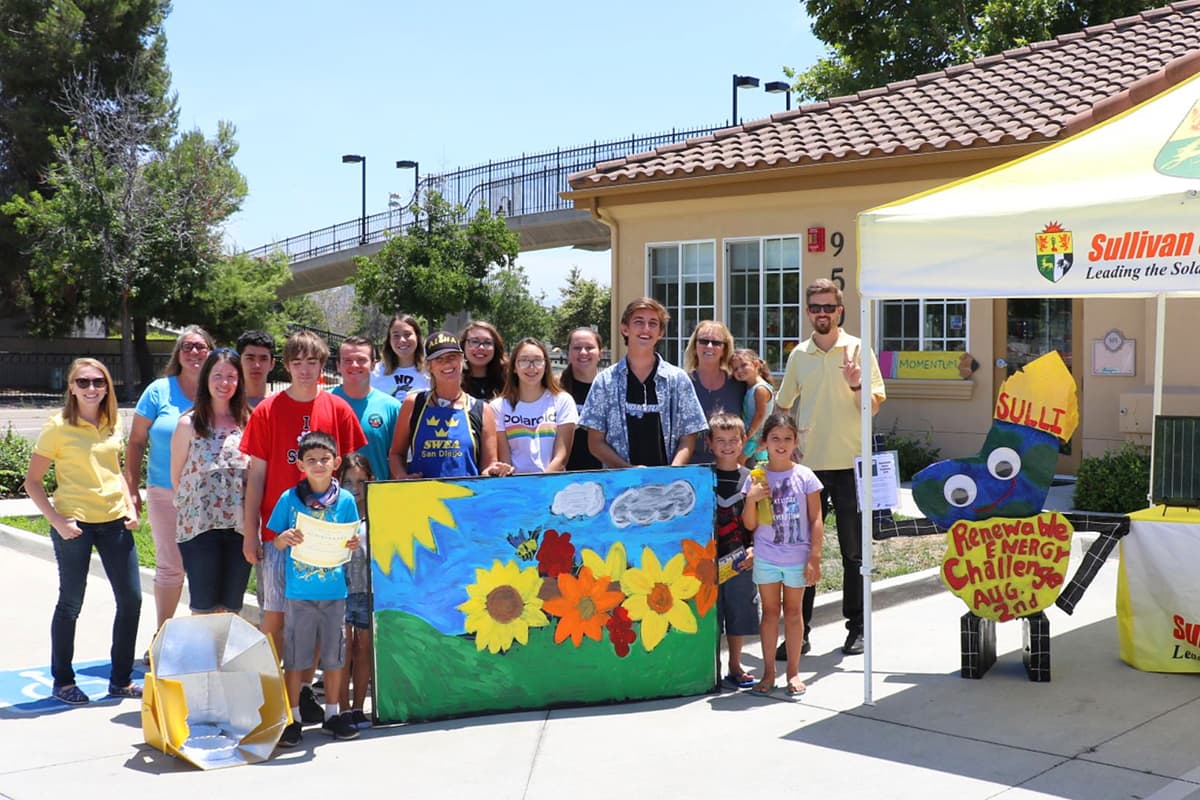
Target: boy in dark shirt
x,y
737,598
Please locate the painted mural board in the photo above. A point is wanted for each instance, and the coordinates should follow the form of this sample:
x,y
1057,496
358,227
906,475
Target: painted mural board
x,y
535,591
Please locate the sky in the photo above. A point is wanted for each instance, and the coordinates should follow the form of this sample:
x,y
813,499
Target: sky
x,y
455,84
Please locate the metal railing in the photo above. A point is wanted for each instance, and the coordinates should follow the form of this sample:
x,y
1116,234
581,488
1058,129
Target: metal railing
x,y
529,184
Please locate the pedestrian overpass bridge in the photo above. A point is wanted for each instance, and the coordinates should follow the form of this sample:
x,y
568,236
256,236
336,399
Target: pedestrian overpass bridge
x,y
526,190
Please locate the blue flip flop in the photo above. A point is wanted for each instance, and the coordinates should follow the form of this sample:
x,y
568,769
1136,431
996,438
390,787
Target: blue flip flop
x,y
744,681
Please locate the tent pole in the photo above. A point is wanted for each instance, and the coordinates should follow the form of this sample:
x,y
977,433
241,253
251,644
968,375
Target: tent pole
x,y
867,420
1160,338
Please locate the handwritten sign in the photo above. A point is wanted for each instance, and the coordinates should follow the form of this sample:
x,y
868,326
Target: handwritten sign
x,y
1004,568
926,365
1041,396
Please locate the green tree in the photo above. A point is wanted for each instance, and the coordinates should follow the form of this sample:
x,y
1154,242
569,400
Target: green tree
x,y
302,310
130,226
42,46
585,304
514,311
871,43
439,265
241,293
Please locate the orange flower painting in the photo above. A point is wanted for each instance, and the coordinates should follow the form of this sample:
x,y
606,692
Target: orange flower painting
x,y
583,606
702,565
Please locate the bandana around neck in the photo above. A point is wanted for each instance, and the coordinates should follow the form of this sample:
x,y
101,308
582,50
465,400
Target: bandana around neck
x,y
317,502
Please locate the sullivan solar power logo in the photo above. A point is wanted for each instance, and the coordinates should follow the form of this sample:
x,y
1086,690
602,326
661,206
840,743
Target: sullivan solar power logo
x,y
1055,253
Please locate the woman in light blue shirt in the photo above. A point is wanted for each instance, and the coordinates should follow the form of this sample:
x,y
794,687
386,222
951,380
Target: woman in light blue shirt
x,y
154,422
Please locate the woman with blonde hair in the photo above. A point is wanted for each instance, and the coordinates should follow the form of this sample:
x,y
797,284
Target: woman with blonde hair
x,y
92,507
707,362
154,420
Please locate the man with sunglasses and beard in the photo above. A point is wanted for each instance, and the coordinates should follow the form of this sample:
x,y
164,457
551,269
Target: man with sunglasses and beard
x,y
824,372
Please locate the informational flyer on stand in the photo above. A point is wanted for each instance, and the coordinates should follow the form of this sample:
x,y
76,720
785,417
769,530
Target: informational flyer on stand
x,y
885,480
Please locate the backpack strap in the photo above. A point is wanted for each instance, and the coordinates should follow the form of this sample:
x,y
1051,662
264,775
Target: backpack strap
x,y
475,420
420,400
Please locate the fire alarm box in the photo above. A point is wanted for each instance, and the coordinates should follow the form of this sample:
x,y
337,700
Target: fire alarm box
x,y
816,240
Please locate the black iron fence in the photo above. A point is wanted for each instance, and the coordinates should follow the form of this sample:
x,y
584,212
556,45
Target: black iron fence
x,y
530,184
47,372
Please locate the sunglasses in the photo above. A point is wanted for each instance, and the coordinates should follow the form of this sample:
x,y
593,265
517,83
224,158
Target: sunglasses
x,y
710,342
194,347
94,383
817,308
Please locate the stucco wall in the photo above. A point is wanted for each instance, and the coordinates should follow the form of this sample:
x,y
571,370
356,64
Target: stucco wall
x,y
774,205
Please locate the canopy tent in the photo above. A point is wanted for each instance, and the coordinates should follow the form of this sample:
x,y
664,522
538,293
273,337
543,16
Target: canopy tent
x,y
1114,210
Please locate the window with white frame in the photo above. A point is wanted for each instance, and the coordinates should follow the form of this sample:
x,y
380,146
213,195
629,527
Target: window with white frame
x,y
923,325
765,296
682,278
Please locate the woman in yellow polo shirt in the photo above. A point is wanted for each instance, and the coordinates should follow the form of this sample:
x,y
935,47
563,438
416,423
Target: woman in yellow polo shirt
x,y
91,508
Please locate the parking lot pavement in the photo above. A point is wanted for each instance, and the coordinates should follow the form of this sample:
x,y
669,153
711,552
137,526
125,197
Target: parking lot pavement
x,y
1099,729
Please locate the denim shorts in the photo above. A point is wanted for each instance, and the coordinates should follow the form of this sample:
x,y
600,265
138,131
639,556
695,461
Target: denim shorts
x,y
217,571
358,611
791,575
737,606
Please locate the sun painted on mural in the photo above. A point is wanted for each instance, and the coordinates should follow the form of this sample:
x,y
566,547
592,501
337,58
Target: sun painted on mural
x,y
526,592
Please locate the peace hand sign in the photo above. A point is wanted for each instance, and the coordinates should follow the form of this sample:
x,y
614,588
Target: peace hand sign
x,y
851,368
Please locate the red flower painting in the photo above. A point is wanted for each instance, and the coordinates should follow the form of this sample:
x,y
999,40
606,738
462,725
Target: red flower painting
x,y
556,555
620,631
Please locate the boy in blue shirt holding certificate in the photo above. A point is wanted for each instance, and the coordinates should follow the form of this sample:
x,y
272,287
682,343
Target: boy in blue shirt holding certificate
x,y
315,596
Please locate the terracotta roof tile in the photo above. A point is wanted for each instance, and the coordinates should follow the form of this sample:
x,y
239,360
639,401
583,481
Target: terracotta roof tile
x,y
1044,91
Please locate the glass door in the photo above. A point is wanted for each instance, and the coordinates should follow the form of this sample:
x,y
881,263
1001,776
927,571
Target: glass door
x,y
1033,327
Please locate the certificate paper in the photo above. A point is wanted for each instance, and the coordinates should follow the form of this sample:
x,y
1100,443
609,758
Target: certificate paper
x,y
324,544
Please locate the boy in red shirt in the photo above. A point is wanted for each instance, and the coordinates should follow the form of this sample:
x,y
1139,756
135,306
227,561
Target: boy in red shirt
x,y
271,440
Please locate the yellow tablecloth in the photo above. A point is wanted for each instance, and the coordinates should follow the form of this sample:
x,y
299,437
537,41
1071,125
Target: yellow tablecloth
x,y
1158,594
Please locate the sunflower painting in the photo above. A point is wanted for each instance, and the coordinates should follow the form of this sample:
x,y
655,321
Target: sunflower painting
x,y
536,591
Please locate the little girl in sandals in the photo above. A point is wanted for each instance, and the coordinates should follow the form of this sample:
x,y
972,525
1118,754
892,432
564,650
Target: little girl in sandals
x,y
783,509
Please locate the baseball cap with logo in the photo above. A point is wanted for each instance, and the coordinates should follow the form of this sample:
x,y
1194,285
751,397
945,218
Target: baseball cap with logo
x,y
440,343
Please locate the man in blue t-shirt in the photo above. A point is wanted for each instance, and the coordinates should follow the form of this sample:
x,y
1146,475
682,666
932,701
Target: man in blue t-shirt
x,y
376,411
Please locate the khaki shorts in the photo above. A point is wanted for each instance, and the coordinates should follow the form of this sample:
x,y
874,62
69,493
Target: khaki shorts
x,y
307,623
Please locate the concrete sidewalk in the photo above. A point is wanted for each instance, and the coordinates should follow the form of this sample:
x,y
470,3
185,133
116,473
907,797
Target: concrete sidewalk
x,y
1099,729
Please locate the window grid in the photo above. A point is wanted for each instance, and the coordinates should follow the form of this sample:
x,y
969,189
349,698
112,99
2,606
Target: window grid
x,y
766,296
923,325
682,278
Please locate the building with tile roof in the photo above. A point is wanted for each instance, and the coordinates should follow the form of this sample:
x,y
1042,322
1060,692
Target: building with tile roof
x,y
734,225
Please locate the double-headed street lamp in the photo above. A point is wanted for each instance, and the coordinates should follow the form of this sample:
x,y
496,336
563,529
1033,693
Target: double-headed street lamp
x,y
357,159
751,82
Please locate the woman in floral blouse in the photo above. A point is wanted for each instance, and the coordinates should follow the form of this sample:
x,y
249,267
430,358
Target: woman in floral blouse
x,y
209,473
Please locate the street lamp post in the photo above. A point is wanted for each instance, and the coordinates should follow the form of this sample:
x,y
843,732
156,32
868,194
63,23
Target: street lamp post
x,y
776,87
741,82
416,168
357,159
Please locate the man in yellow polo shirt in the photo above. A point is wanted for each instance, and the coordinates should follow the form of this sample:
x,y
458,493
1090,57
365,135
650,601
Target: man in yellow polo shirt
x,y
825,373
